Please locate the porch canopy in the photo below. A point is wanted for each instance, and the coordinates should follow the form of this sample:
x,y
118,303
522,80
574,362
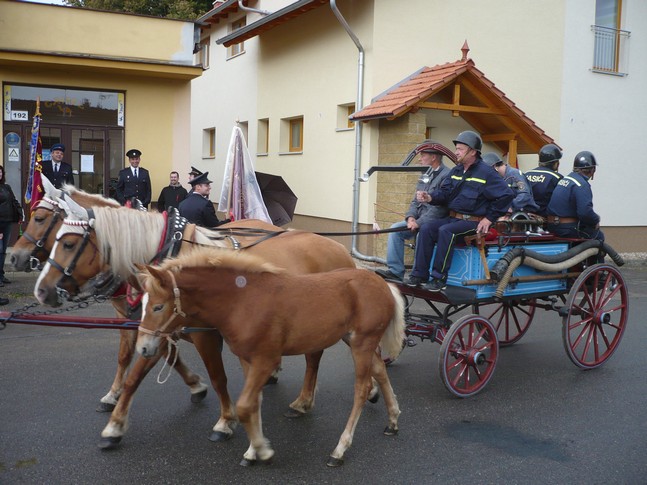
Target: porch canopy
x,y
461,88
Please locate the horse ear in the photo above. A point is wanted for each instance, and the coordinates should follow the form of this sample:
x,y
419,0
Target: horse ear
x,y
50,191
155,273
74,209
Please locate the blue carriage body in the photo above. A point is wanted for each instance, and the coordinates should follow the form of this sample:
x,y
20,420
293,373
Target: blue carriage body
x,y
467,265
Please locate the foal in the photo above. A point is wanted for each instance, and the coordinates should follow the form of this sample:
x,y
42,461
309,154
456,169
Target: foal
x,y
264,313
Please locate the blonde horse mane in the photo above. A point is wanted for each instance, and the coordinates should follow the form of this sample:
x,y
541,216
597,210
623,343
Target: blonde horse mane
x,y
215,257
86,199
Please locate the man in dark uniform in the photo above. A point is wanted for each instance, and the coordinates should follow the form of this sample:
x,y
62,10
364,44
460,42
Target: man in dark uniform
x,y
545,177
193,174
476,197
523,200
56,170
172,194
197,207
134,181
570,210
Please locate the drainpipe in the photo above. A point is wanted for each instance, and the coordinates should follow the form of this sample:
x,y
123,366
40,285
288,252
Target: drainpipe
x,y
249,9
358,134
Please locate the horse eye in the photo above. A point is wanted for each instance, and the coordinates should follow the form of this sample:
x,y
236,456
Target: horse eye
x,y
158,307
39,220
68,245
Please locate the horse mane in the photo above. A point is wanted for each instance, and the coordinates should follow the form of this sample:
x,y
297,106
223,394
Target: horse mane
x,y
215,257
85,199
127,237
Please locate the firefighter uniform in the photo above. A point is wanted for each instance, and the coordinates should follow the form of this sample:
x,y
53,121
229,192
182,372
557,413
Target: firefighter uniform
x,y
542,182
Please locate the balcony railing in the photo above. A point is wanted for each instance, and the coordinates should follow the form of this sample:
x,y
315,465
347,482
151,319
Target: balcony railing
x,y
609,55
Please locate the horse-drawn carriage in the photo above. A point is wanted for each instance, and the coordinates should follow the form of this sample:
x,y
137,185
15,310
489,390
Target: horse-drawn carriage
x,y
503,278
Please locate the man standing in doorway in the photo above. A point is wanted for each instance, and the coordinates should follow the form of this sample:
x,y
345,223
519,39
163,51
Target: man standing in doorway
x,y
56,170
134,181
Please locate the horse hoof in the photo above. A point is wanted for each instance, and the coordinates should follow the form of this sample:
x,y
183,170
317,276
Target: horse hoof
x,y
272,380
198,396
109,443
375,398
218,436
334,462
246,462
105,407
293,414
389,431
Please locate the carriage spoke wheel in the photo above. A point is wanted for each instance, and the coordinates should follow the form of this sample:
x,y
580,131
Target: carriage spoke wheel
x,y
511,318
598,308
468,355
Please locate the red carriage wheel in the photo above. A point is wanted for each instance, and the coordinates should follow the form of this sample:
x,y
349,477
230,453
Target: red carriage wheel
x,y
598,308
510,318
468,355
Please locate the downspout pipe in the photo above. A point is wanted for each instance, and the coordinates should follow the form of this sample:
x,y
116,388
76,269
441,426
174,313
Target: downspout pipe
x,y
358,133
249,9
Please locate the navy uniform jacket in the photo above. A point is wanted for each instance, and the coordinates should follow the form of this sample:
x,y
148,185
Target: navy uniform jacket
x,y
422,211
171,196
128,186
542,182
523,200
63,176
480,191
199,210
573,197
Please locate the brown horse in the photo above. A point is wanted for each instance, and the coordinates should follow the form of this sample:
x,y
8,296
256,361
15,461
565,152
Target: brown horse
x,y
264,313
131,237
33,248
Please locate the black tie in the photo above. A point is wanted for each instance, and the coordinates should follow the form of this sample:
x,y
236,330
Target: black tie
x,y
56,167
136,174
434,174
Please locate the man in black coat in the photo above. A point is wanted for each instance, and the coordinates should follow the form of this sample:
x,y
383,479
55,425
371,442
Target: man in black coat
x,y
56,170
172,194
134,181
197,207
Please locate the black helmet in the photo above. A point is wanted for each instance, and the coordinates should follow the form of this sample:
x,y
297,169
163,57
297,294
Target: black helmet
x,y
470,139
549,153
492,159
584,159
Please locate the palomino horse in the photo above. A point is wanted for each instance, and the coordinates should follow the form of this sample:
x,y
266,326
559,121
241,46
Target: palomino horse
x,y
33,248
131,237
264,313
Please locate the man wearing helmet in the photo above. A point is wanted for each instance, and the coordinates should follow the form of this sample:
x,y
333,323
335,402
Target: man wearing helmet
x,y
476,197
430,154
545,177
570,210
523,200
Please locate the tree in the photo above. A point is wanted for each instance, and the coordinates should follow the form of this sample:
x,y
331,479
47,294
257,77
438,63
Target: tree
x,y
176,9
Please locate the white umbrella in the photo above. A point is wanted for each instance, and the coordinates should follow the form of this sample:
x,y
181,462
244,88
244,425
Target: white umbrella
x,y
240,195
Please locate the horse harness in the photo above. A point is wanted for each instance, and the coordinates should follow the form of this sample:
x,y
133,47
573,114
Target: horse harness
x,y
39,245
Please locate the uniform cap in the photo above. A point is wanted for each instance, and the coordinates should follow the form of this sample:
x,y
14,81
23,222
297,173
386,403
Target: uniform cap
x,y
201,179
431,146
57,146
194,171
133,153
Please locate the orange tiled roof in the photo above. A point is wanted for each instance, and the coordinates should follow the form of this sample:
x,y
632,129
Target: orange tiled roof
x,y
482,104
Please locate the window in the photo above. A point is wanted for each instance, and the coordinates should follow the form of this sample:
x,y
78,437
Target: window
x,y
296,135
609,38
263,138
203,53
239,48
343,113
291,141
209,143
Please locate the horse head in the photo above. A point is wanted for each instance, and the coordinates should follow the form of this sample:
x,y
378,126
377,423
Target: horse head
x,y
32,249
74,258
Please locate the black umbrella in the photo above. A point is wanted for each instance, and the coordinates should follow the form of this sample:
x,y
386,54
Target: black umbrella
x,y
278,197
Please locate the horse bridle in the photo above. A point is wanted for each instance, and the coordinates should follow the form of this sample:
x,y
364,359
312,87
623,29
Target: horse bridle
x,y
39,245
81,229
177,312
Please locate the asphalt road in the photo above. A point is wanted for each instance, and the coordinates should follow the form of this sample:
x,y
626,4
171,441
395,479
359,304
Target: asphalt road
x,y
540,420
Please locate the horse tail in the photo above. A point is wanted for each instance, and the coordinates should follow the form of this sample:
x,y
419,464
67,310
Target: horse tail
x,y
393,337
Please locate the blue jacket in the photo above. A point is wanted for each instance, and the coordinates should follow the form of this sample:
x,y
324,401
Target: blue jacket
x,y
421,211
199,210
542,182
480,191
523,200
129,186
573,197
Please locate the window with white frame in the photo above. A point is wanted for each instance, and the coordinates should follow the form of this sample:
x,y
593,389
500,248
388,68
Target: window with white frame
x,y
236,49
203,53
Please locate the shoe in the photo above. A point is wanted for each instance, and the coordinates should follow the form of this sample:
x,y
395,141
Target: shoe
x,y
387,275
436,284
4,301
415,281
5,281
